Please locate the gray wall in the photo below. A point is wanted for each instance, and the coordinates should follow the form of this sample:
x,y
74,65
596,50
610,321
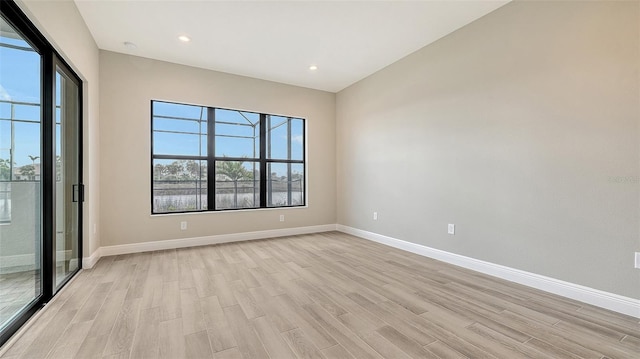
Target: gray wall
x,y
127,86
521,128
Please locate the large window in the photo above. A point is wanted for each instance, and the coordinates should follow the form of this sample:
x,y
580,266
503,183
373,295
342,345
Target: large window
x,y
248,159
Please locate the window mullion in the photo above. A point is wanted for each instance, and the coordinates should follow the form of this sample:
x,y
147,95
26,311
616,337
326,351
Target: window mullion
x,y
289,158
263,161
211,162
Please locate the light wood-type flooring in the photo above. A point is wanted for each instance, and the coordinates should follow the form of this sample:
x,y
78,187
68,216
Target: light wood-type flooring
x,y
327,295
17,289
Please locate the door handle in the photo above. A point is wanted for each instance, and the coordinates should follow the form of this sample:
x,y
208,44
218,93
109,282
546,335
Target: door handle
x,y
77,194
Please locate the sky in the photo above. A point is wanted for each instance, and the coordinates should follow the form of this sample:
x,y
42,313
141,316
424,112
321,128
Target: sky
x,y
19,81
192,127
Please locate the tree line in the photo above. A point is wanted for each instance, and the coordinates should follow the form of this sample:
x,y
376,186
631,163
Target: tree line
x,y
184,170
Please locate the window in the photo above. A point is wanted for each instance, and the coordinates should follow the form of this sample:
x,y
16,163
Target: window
x,y
250,160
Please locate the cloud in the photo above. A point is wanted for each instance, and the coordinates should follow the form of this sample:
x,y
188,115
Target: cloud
x,y
4,95
297,138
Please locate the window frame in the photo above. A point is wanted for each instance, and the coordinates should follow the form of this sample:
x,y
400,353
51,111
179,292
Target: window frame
x,y
211,158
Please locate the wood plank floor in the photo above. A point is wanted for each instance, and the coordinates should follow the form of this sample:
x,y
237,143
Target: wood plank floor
x,y
17,289
327,295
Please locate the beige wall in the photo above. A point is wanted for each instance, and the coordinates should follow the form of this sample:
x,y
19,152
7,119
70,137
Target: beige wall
x,y
65,29
129,83
522,129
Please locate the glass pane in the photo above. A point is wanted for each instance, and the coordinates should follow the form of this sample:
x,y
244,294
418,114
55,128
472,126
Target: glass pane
x,y
5,202
27,113
237,184
297,184
179,185
178,144
20,188
278,137
26,151
179,111
285,184
67,190
237,134
297,139
5,149
165,124
285,138
5,107
179,129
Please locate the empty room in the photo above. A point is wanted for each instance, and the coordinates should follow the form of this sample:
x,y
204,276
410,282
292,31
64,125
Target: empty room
x,y
319,179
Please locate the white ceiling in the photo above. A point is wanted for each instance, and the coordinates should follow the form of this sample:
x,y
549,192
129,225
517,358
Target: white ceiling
x,y
279,40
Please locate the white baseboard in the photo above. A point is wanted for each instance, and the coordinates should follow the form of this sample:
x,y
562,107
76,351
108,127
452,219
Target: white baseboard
x,y
18,260
89,262
23,262
611,301
73,263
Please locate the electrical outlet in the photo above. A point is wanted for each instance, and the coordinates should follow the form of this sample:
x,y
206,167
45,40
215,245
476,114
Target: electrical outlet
x,y
451,228
375,216
637,265
282,218
183,225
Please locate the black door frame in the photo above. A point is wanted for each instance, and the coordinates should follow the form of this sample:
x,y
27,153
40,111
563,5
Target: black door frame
x,y
50,58
59,63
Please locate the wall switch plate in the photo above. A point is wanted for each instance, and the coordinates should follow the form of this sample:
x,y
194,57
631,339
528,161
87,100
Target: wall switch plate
x,y
451,228
282,218
637,265
95,228
183,225
375,216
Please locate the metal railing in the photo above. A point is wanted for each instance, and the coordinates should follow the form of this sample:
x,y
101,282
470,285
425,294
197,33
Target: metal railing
x,y
15,113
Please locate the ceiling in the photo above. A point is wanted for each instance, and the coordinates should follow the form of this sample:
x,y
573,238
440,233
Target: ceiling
x,y
279,40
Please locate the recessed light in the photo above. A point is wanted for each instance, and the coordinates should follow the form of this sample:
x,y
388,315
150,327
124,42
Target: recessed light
x,y
313,67
184,38
130,45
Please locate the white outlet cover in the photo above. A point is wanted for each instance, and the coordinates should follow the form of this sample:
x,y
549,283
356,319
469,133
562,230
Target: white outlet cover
x,y
183,225
637,264
451,229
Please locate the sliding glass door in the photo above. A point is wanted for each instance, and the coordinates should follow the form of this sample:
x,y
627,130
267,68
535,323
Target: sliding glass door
x,y
68,189
20,174
41,190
